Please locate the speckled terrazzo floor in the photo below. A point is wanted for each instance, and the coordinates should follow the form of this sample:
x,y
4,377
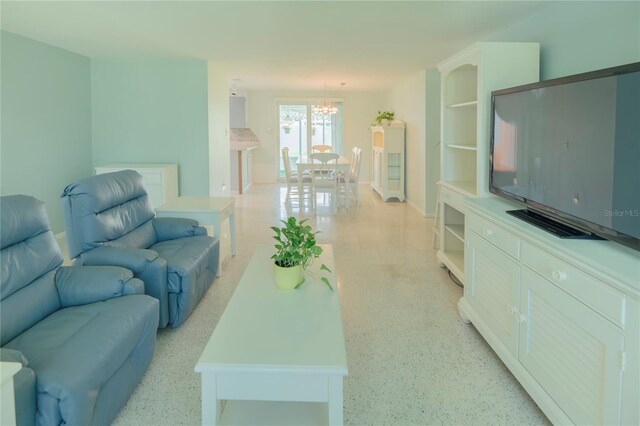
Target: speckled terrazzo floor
x,y
412,361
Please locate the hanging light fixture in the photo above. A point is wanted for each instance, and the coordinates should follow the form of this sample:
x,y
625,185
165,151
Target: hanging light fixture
x,y
327,107
287,123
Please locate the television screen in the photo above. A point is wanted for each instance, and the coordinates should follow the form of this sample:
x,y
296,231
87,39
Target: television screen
x,y
570,149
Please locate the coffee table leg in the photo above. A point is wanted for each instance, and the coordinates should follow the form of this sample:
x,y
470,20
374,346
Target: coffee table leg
x,y
335,401
210,404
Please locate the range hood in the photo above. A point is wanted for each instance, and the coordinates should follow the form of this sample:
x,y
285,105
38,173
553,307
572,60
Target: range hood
x,y
243,138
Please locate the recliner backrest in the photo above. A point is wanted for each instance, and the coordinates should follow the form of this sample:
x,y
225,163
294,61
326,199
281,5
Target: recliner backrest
x,y
29,260
110,209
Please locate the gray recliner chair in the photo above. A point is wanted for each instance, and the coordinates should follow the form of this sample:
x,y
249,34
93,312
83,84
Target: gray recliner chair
x,y
109,221
84,335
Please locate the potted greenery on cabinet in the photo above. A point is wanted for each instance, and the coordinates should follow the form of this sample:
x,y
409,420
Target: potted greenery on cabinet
x,y
295,250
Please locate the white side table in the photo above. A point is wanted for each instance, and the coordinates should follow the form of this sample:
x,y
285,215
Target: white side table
x,y
207,211
8,412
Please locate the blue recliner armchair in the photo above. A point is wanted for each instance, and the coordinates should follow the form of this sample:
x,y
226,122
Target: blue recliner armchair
x,y
84,335
109,221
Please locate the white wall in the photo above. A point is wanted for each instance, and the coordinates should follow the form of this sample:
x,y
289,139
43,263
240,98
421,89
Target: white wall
x,y
416,101
408,100
433,140
360,109
153,111
219,148
237,112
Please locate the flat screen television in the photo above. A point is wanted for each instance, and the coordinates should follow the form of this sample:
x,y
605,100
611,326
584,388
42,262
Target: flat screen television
x,y
568,149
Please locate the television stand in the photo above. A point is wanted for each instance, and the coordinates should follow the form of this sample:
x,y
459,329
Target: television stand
x,y
556,228
561,314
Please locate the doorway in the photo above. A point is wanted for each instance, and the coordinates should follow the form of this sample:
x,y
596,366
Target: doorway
x,y
300,128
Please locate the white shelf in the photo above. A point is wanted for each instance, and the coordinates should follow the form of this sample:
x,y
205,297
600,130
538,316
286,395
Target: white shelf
x,y
466,188
464,104
274,413
456,230
454,259
463,147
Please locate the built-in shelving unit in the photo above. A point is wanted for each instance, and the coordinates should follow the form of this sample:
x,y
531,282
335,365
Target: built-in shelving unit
x,y
467,81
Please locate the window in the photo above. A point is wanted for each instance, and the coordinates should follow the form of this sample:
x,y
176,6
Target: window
x,y
300,129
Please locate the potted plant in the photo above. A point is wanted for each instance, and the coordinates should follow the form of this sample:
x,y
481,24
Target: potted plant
x,y
295,250
384,115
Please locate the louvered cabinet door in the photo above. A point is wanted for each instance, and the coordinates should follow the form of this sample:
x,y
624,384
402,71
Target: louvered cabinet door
x,y
492,288
573,353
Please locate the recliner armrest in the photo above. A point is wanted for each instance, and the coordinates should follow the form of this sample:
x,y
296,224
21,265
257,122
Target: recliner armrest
x,y
134,259
13,355
145,265
170,228
81,285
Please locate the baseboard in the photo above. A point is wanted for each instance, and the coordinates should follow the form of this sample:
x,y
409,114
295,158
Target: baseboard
x,y
412,204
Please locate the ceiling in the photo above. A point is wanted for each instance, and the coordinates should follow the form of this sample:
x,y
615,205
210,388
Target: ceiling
x,y
273,44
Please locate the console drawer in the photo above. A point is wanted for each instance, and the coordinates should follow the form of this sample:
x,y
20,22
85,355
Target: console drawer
x,y
494,234
592,292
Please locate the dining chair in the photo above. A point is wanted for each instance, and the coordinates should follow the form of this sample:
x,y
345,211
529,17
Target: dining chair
x,y
324,175
324,157
321,148
348,185
293,179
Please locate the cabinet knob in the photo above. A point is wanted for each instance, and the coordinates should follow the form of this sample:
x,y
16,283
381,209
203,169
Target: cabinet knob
x,y
521,317
488,232
559,276
512,310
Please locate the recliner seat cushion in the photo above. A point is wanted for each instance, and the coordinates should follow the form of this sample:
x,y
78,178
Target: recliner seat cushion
x,y
76,350
191,267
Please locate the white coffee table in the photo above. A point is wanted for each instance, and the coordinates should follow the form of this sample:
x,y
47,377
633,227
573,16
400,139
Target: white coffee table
x,y
276,345
207,211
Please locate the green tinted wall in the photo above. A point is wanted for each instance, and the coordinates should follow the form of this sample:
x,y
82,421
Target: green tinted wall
x,y
153,111
577,37
45,121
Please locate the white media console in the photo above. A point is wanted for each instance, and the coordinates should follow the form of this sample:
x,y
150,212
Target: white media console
x,y
563,315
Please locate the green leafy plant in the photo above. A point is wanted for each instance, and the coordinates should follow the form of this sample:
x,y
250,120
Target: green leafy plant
x,y
296,245
384,115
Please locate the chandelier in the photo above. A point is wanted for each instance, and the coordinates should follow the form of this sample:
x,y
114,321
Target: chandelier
x,y
327,107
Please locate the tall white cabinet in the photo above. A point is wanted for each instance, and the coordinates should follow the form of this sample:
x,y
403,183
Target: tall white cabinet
x,y
160,180
388,160
468,79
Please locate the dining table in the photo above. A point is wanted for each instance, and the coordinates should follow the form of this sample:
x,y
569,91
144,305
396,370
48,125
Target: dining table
x,y
304,164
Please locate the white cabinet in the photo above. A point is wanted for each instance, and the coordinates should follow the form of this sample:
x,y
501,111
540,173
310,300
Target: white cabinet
x,y
493,289
160,180
571,351
468,79
561,314
388,161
